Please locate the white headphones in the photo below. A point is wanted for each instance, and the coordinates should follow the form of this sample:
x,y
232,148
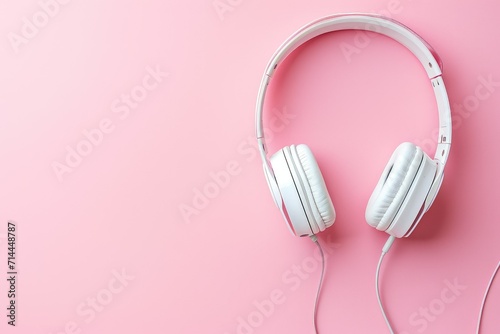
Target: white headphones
x,y
409,182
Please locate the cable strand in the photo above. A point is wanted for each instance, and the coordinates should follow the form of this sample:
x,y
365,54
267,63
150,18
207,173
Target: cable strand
x,y
385,249
484,298
316,303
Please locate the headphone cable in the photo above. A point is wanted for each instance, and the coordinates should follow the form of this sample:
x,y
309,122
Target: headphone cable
x,y
484,298
385,249
314,238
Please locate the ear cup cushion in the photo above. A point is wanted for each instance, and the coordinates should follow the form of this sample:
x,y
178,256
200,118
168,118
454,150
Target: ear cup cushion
x,y
321,201
393,186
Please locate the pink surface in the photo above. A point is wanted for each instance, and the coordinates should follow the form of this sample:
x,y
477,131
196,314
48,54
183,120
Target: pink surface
x,y
159,99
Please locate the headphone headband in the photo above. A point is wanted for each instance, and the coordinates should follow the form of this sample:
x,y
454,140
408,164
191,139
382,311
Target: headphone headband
x,y
385,26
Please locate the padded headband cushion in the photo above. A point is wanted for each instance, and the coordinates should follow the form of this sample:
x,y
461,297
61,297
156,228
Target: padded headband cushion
x,y
393,186
321,200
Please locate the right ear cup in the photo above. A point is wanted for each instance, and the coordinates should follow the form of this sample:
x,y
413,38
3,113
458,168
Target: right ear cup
x,y
397,201
306,204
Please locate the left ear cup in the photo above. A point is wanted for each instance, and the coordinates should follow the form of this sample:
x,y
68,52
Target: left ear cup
x,y
306,205
318,196
396,203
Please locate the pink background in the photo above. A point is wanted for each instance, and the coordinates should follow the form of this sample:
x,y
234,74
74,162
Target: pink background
x,y
117,213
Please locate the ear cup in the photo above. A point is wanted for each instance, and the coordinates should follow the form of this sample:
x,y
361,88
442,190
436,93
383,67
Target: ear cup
x,y
306,205
320,199
400,193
